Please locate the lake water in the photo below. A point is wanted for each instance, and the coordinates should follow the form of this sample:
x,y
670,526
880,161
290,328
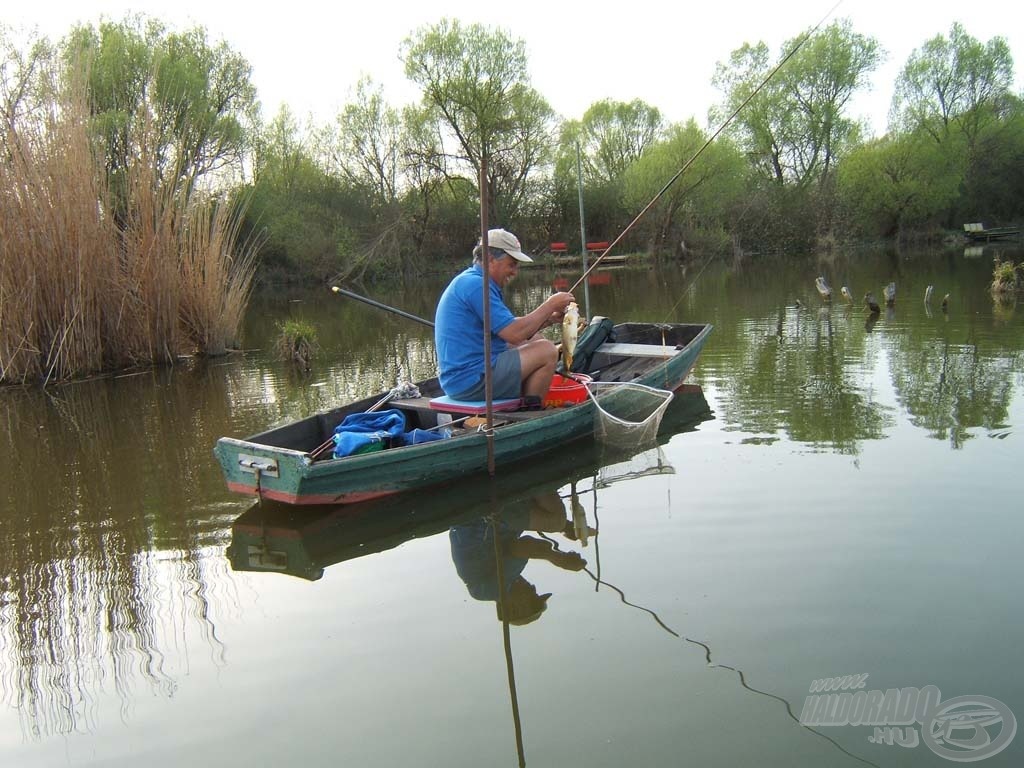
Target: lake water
x,y
833,495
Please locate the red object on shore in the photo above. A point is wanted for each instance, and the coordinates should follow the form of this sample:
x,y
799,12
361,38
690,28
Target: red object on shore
x,y
564,391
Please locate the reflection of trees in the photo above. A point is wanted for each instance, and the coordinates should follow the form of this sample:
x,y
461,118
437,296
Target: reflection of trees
x,y
794,377
784,362
949,388
108,551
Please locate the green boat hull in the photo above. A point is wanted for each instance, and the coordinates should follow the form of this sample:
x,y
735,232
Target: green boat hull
x,y
278,464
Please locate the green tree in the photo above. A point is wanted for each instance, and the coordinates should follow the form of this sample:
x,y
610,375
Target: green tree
x,y
994,185
700,203
197,97
955,83
475,82
612,136
364,144
899,183
795,129
309,217
608,139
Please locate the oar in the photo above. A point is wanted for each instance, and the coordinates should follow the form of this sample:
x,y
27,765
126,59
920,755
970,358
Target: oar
x,y
385,307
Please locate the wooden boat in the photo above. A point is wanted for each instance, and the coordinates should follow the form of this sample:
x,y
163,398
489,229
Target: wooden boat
x,y
278,464
280,538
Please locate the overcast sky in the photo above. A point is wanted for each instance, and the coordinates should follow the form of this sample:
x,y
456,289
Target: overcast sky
x,y
310,55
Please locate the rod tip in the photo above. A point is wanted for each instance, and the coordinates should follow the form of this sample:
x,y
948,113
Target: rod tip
x,y
336,289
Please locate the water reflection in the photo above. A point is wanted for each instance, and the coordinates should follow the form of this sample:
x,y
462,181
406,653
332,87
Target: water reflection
x,y
500,529
104,555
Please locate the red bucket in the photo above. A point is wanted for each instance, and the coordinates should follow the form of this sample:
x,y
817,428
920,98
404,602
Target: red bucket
x,y
565,391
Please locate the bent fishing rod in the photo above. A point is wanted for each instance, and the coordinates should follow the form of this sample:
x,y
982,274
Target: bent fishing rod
x,y
704,146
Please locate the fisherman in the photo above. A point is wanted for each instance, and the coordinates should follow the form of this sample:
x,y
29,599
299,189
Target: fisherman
x,y
523,362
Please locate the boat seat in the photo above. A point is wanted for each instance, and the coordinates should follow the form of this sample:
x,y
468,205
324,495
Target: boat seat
x,y
475,407
637,350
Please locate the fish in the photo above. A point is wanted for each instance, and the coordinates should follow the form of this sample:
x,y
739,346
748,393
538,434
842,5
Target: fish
x,y
570,329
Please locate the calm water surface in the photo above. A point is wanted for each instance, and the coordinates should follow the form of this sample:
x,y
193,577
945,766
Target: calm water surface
x,y
833,496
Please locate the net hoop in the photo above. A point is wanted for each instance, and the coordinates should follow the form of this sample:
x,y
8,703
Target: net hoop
x,y
626,411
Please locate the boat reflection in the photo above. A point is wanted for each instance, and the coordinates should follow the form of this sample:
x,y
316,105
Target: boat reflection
x,y
303,541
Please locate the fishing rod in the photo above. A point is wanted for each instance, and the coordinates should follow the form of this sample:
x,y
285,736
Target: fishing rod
x,y
706,144
385,307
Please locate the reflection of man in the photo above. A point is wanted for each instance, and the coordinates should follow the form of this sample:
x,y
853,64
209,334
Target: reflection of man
x,y
473,553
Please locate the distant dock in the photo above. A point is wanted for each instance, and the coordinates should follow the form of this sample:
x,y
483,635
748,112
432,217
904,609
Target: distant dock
x,y
978,232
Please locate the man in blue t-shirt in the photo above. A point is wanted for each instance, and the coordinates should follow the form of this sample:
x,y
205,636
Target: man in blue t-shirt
x,y
523,363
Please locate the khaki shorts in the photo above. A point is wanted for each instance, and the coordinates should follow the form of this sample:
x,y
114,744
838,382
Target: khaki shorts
x,y
506,379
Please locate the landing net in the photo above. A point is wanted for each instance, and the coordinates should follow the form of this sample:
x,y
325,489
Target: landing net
x,y
626,412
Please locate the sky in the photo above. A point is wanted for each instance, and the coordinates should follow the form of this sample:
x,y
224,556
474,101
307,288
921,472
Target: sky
x,y
309,55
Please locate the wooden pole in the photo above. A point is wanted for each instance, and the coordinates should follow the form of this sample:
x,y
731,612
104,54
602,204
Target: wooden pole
x,y
583,234
485,263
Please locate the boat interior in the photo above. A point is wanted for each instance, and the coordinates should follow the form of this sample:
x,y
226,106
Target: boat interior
x,y
637,347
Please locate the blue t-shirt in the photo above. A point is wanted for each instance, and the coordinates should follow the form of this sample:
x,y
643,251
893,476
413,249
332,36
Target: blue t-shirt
x,y
459,329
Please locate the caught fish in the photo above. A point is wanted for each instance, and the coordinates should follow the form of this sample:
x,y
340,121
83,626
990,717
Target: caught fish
x,y
570,328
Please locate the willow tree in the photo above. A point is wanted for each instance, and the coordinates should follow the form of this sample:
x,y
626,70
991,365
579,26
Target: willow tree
x,y
796,127
953,84
609,138
141,77
475,82
364,143
701,204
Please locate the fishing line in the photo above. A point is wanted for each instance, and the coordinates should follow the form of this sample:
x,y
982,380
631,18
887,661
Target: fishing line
x,y
739,672
706,144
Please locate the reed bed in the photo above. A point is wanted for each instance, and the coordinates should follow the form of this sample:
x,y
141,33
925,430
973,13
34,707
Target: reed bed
x,y
95,279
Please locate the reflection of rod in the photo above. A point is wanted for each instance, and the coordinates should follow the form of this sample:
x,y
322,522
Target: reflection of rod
x,y
739,672
509,666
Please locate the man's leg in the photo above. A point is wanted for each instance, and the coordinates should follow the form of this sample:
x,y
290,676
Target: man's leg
x,y
537,361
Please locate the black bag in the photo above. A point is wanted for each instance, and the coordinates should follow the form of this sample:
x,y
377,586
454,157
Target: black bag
x,y
600,330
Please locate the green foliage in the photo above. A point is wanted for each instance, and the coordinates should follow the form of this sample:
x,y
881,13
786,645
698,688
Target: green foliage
x,y
701,203
296,342
614,135
197,95
475,84
364,145
899,183
993,188
795,129
955,84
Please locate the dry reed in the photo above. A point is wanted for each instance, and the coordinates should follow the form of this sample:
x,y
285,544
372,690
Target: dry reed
x,y
84,289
